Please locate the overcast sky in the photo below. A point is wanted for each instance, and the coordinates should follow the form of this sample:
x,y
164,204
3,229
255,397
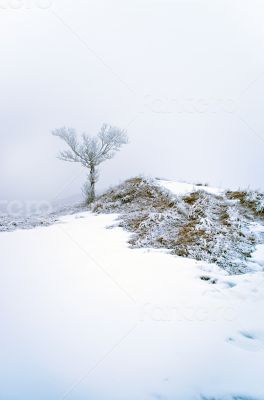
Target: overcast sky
x,y
184,77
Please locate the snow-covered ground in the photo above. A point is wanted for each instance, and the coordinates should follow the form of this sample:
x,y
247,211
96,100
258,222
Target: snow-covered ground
x,y
83,316
182,188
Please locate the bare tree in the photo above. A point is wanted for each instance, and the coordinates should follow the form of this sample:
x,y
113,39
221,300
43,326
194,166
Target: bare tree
x,y
91,151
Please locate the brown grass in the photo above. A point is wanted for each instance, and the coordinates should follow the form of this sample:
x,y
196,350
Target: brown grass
x,y
241,196
159,220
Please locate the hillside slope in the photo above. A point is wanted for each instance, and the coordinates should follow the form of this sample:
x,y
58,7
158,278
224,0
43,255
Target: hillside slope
x,y
192,221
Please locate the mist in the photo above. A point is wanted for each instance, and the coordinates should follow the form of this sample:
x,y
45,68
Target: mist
x,y
184,78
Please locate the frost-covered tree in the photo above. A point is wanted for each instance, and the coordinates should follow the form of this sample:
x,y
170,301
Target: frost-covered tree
x,y
91,151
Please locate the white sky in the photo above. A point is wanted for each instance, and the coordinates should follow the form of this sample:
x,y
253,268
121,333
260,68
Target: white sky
x,y
184,77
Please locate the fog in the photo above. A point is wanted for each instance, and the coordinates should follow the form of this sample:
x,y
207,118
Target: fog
x,y
185,78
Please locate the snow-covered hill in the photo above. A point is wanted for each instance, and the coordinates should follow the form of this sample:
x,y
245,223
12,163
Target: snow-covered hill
x,y
84,316
199,222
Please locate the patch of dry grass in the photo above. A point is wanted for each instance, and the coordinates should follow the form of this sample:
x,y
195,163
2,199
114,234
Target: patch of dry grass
x,y
199,225
251,201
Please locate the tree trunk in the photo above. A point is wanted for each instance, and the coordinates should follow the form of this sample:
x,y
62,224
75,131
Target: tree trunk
x,y
92,179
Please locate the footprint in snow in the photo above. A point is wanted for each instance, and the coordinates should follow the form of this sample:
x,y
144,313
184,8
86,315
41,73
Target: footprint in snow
x,y
229,284
248,340
224,283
